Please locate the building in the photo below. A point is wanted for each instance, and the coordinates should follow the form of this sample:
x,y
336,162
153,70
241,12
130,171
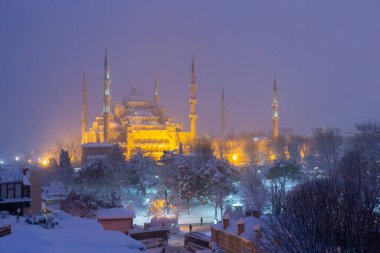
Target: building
x,y
20,188
117,219
139,122
96,151
243,235
136,121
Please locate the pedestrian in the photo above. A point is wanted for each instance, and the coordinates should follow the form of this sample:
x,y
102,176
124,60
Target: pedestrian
x,y
190,228
201,221
18,215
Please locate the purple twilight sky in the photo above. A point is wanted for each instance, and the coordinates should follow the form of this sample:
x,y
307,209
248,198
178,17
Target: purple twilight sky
x,y
325,55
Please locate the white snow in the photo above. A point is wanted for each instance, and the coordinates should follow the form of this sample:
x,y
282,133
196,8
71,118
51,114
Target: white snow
x,y
115,213
72,235
250,224
10,174
25,180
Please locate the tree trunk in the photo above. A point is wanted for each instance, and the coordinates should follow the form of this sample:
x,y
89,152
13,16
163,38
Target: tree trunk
x,y
166,202
221,210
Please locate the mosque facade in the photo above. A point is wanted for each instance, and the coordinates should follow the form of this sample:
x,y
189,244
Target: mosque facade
x,y
140,123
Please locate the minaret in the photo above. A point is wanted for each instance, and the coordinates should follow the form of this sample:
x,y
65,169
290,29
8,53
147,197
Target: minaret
x,y
106,98
156,96
134,86
84,105
275,111
193,104
223,117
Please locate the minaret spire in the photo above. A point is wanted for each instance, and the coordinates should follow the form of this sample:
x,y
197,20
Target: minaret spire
x,y
106,98
84,105
275,111
193,103
223,117
134,86
156,96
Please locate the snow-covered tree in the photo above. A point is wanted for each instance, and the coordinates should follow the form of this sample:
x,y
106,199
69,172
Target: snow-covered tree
x,y
186,181
254,192
81,205
168,175
326,214
280,174
101,182
296,147
66,171
326,147
367,140
142,170
217,176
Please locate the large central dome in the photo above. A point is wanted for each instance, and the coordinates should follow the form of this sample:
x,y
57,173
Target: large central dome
x,y
134,95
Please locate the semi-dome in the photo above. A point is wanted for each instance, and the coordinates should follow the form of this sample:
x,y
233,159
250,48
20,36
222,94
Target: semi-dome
x,y
142,113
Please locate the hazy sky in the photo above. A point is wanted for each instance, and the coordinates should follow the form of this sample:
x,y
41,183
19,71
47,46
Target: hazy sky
x,y
325,55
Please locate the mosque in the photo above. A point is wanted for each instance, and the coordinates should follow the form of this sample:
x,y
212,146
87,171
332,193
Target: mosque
x,y
138,122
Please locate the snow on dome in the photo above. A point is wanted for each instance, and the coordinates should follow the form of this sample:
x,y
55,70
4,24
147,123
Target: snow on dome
x,y
115,213
226,216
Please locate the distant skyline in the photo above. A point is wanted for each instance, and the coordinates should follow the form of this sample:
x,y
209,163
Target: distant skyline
x,y
325,56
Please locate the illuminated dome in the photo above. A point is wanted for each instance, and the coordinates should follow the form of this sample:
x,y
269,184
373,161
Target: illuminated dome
x,y
142,113
136,96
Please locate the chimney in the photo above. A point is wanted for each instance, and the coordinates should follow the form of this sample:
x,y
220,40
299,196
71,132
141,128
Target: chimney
x,y
240,226
35,190
258,231
226,221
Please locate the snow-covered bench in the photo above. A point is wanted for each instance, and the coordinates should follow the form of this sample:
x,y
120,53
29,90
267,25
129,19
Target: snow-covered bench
x,y
5,230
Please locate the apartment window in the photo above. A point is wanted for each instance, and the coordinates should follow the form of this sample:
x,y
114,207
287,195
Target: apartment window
x,y
11,191
3,191
26,191
18,191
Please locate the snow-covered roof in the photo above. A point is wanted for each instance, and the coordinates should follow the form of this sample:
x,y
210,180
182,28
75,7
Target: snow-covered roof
x,y
74,235
10,174
250,223
15,173
15,200
115,213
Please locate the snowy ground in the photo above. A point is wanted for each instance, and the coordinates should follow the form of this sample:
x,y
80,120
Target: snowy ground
x,y
176,241
72,235
197,210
